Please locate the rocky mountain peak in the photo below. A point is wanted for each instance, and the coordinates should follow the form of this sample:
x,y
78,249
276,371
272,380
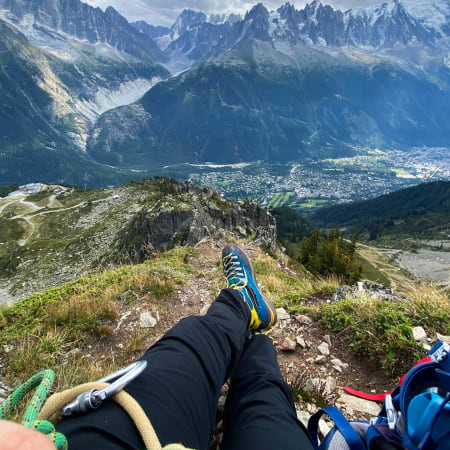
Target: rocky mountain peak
x,y
187,19
256,24
77,20
287,11
259,11
150,30
233,18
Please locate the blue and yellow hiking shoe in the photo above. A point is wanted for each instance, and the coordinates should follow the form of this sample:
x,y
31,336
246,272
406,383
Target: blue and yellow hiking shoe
x,y
240,276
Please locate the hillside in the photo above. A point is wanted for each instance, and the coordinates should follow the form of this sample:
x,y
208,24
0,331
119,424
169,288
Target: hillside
x,y
59,234
421,211
126,264
96,324
255,102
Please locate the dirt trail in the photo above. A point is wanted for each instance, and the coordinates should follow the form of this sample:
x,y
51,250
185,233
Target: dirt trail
x,y
31,213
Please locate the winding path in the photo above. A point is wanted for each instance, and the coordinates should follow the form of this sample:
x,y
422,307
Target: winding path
x,y
52,203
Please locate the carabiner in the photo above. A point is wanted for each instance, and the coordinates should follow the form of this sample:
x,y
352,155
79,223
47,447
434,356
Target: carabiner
x,y
92,399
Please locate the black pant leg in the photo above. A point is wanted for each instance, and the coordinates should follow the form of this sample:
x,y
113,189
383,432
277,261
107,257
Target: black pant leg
x,y
260,412
180,387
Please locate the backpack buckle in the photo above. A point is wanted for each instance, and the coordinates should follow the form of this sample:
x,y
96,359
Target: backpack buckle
x,y
440,352
391,413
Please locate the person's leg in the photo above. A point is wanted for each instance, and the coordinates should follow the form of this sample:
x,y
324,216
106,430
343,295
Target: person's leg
x,y
180,387
259,411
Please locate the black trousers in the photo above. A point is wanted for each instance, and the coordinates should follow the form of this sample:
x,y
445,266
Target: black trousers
x,y
181,385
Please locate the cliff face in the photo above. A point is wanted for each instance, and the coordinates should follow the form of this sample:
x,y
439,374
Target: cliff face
x,y
189,214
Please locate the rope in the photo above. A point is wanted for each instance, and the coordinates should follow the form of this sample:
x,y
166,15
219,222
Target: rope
x,y
56,402
43,381
40,417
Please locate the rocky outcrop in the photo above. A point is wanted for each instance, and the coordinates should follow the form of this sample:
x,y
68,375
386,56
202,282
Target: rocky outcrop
x,y
365,287
187,214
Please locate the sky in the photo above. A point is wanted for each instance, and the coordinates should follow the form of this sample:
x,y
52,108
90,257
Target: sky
x,y
165,12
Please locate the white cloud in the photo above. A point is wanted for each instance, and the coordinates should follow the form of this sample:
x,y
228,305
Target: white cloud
x,y
164,12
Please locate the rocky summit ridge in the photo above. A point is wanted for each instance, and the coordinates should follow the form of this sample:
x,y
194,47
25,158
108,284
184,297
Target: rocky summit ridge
x,y
59,234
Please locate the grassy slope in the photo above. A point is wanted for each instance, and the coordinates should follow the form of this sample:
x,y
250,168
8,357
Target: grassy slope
x,y
83,313
68,327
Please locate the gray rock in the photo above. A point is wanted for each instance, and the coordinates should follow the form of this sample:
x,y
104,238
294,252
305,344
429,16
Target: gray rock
x,y
427,347
282,314
188,214
304,320
441,337
125,295
288,345
338,363
419,334
327,339
303,416
374,290
324,429
324,349
321,359
300,341
3,392
146,320
359,404
327,386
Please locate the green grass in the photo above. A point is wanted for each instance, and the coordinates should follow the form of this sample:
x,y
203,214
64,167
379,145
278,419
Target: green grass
x,y
282,198
382,331
286,289
45,326
371,273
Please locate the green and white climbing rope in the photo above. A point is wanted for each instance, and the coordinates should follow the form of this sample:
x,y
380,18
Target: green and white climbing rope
x,y
43,381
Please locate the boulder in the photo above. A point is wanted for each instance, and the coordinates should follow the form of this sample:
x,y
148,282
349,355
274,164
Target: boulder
x,y
420,335
324,349
146,320
288,345
359,404
282,314
321,359
302,319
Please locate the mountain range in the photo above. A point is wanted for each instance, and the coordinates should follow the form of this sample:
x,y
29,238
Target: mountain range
x,y
96,96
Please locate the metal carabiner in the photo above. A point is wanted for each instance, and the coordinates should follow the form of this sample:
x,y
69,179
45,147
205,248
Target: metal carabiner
x,y
92,399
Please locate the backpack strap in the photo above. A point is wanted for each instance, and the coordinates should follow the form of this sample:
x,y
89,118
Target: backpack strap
x,y
342,424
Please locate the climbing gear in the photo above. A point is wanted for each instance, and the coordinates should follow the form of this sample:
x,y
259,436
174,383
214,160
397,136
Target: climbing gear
x,y
240,276
43,381
43,417
93,398
415,416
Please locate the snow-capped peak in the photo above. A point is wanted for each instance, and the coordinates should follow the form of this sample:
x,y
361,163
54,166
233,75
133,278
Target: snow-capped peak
x,y
431,13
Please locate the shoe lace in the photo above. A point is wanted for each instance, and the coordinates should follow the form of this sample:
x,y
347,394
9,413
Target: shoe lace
x,y
234,272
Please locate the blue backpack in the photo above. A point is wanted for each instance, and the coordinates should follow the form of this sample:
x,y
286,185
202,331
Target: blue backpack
x,y
415,416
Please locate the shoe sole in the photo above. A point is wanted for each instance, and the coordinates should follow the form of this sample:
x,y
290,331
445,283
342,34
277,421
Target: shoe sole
x,y
269,305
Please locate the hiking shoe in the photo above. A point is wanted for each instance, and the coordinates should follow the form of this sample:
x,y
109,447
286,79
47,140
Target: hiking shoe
x,y
238,271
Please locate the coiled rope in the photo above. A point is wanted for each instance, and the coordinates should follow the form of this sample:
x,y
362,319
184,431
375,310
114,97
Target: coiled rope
x,y
43,381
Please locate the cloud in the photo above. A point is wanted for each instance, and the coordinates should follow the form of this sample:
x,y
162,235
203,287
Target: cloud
x,y
165,12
